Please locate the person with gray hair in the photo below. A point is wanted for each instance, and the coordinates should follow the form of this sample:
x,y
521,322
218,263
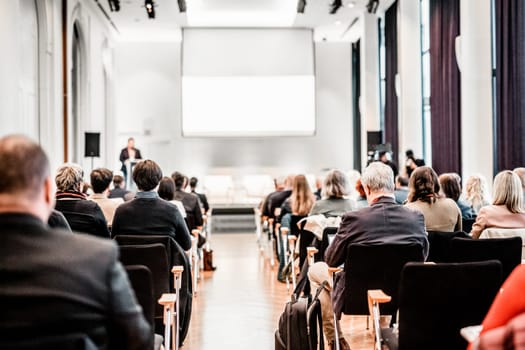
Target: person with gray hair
x,y
83,216
56,284
383,222
334,190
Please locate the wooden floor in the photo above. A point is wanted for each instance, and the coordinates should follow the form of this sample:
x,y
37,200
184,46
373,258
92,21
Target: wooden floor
x,y
238,305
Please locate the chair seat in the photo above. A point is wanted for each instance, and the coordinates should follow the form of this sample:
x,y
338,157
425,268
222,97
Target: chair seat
x,y
390,338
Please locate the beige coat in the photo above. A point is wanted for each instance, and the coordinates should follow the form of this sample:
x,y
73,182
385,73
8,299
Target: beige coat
x,y
496,216
442,215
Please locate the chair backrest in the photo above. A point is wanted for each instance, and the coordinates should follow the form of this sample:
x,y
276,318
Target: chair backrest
x,y
505,250
154,257
176,256
322,244
437,300
75,341
375,267
84,223
466,224
305,237
505,232
439,244
142,283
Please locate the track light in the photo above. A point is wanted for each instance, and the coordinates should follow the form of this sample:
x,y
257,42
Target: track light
x,y
301,4
114,5
182,5
372,5
150,8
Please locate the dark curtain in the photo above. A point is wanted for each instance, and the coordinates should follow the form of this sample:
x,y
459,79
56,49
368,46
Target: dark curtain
x,y
445,90
356,93
391,120
509,130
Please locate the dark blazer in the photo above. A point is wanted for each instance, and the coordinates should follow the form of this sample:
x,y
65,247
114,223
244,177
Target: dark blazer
x,y
384,221
204,201
124,155
118,192
54,283
142,216
82,215
192,207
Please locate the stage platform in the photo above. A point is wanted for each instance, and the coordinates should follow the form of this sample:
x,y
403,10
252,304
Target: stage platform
x,y
232,218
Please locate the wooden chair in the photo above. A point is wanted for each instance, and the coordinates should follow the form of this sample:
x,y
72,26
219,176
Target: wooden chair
x,y
435,302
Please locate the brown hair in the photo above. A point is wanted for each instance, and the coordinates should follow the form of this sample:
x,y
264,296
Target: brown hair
x,y
423,185
24,166
450,186
166,188
101,179
302,198
147,175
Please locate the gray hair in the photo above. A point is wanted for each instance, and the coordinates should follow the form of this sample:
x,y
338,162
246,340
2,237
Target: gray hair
x,y
379,177
69,177
335,184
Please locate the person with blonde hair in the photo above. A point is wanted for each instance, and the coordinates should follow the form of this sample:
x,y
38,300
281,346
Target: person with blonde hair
x,y
507,209
476,192
334,190
441,214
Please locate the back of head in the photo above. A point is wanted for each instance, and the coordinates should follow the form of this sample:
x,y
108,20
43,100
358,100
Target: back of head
x,y
378,177
288,181
101,179
507,191
402,180
24,167
166,188
69,178
450,186
193,182
147,175
279,183
521,173
178,178
423,185
476,191
335,184
118,180
302,197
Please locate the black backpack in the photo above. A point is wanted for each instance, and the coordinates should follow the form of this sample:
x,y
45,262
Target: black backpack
x,y
301,324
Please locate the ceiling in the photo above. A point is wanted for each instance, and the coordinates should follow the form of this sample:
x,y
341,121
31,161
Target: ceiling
x,y
133,24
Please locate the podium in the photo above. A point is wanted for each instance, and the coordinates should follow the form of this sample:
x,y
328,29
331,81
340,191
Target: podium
x,y
130,184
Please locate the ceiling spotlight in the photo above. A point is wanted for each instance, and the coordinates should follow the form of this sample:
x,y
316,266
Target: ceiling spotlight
x,y
150,8
301,4
372,5
114,5
335,5
182,5
351,4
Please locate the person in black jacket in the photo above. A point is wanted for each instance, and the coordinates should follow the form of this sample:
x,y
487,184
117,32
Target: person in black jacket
x,y
55,283
129,154
189,200
148,213
82,215
202,196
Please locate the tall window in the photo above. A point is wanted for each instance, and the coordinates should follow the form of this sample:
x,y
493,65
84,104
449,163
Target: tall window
x,y
425,79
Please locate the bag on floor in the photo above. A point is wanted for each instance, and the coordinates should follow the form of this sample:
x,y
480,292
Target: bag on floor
x,y
301,324
208,260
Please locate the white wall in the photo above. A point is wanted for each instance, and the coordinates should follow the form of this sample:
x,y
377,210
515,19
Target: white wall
x,y
148,76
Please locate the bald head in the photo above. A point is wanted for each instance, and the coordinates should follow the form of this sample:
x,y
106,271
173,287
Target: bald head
x,y
25,182
24,166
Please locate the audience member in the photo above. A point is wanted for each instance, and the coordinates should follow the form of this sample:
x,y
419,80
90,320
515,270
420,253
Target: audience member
x,y
504,325
58,220
441,214
361,201
401,191
507,209
300,203
383,222
55,283
451,188
100,181
189,200
333,202
521,173
118,190
277,198
412,163
166,191
385,158
476,192
82,215
204,200
147,213
318,188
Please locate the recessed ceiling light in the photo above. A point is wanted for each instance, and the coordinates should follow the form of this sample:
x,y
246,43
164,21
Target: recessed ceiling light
x,y
337,23
351,4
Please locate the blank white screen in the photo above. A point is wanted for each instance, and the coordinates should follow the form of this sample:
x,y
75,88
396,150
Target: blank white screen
x,y
247,82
